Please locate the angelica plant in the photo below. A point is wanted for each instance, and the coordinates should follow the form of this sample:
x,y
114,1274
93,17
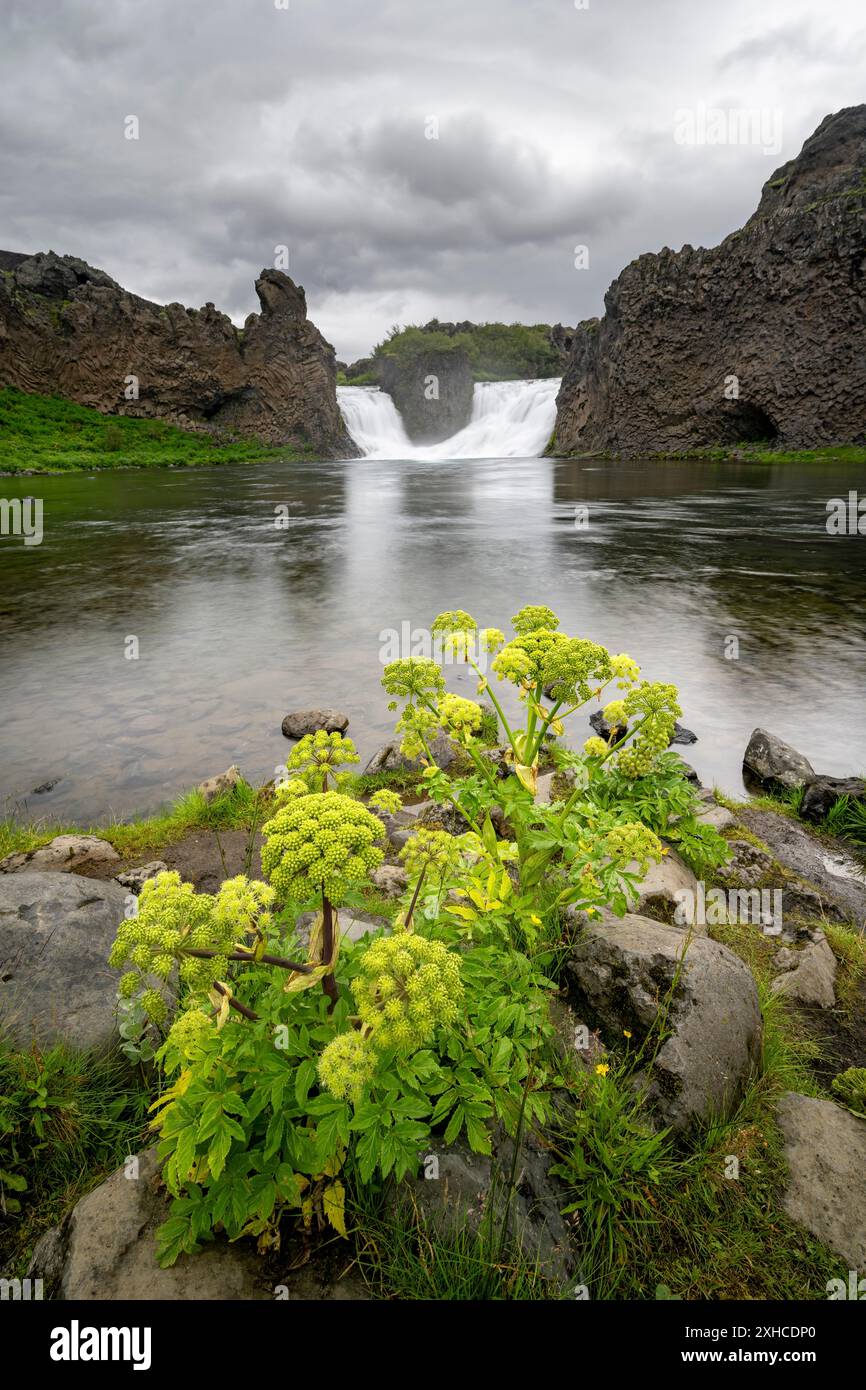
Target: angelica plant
x,y
316,847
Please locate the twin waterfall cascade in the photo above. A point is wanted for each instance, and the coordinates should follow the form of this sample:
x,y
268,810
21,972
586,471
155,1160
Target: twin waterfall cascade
x,y
510,419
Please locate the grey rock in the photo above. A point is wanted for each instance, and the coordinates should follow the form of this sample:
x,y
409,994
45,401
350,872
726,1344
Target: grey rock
x,y
437,817
65,854
389,758
107,1249
825,1150
311,721
55,934
811,978
665,890
464,1194
620,974
390,880
774,763
822,793
222,783
135,879
836,879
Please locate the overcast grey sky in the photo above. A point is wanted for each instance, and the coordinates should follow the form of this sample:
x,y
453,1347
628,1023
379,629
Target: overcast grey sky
x,y
307,127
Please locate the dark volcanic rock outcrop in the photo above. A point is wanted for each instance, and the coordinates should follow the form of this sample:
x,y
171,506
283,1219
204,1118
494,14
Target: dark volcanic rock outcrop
x,y
70,330
780,305
432,391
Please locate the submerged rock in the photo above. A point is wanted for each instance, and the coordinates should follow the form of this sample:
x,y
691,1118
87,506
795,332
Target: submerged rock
x,y
311,721
774,763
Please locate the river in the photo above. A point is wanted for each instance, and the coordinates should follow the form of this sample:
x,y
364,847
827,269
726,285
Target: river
x,y
254,590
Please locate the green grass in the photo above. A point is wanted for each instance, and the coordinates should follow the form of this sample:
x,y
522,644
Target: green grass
x,y
67,1120
233,811
708,1235
44,434
765,453
736,453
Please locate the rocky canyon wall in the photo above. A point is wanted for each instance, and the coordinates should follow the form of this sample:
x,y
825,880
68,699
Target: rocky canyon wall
x,y
762,337
68,329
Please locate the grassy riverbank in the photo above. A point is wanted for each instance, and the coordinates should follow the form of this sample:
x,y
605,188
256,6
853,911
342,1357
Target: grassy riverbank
x,y
739,453
44,434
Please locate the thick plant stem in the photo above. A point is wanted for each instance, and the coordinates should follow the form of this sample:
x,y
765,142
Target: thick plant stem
x,y
329,982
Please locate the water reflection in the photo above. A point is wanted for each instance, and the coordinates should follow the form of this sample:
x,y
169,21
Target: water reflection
x,y
239,620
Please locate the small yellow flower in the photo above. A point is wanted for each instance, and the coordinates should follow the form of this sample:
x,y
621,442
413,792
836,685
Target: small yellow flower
x,y
602,1069
536,921
626,1033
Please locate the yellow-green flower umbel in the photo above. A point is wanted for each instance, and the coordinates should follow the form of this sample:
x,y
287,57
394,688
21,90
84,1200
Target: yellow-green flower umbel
x,y
324,842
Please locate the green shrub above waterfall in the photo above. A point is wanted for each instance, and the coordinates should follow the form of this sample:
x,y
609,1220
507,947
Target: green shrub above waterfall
x,y
497,351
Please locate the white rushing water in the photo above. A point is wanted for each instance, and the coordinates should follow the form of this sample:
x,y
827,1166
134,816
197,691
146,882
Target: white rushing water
x,y
510,419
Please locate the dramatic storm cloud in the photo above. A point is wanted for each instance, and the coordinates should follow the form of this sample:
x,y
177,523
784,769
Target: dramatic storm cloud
x,y
313,127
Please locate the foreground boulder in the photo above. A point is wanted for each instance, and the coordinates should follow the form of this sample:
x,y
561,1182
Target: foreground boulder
x,y
70,330
65,854
456,1190
621,973
825,1150
55,934
682,358
311,721
774,763
106,1249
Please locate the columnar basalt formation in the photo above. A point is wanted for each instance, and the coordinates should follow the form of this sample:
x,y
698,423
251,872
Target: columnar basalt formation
x,y
761,338
67,329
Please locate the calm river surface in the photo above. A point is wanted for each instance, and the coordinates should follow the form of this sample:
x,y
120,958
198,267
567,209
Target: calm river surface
x,y
239,621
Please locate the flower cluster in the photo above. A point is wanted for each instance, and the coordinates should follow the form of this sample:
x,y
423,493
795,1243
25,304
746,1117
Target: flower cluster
x,y
575,668
313,759
491,639
417,725
386,801
431,850
171,916
625,670
459,716
532,617
347,1065
405,988
323,842
456,620
654,704
413,678
633,841
173,920
188,1032
596,747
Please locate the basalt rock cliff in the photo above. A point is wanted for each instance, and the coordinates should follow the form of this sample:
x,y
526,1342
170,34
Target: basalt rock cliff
x,y
432,391
67,329
779,305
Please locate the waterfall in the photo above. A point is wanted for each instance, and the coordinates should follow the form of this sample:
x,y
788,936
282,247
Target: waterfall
x,y
510,419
